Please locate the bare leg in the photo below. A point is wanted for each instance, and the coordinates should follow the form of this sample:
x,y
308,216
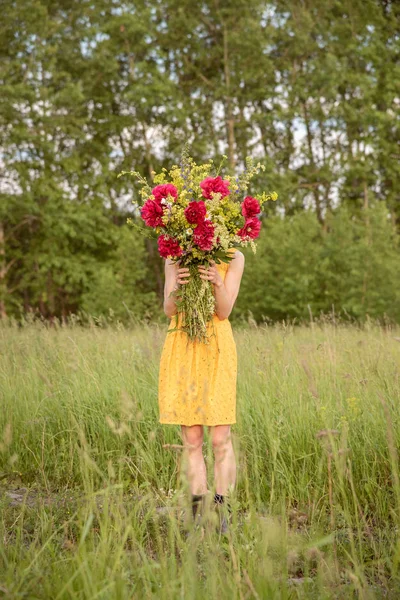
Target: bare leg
x,y
193,437
225,462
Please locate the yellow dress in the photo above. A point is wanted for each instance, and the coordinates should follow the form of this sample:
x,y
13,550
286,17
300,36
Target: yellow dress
x,y
197,381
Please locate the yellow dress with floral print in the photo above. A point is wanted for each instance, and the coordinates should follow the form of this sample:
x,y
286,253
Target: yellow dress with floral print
x,y
197,381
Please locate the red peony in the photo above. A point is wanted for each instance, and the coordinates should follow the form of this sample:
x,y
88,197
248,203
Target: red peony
x,y
195,212
216,185
151,213
168,247
251,228
203,235
250,207
162,191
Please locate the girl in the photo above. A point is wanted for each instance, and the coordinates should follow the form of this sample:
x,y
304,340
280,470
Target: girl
x,y
197,381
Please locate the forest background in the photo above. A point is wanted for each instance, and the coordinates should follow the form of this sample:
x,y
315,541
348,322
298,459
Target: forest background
x,y
90,88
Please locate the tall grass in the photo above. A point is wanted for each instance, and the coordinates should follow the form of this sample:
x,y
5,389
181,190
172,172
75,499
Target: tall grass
x,y
94,494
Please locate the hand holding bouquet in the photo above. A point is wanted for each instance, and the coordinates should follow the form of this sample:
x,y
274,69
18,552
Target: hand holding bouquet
x,y
198,216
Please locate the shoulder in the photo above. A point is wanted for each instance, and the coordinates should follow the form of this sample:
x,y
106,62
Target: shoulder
x,y
238,257
237,262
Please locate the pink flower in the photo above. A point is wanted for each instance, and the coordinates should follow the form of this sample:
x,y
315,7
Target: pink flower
x,y
151,213
195,212
162,191
168,247
250,207
203,235
251,228
216,185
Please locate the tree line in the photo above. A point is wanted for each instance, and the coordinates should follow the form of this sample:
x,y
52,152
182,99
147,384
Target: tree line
x,y
306,87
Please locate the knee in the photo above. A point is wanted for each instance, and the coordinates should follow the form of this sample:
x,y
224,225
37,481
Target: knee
x,y
221,439
193,437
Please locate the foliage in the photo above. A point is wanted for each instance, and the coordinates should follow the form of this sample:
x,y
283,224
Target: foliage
x,y
301,270
90,89
120,287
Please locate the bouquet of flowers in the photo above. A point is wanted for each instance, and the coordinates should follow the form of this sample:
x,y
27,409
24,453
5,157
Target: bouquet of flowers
x,y
197,216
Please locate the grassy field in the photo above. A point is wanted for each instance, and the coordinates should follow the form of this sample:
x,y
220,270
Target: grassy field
x,y
93,492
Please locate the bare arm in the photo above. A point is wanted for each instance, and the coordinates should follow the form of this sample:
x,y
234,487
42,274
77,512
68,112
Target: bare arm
x,y
226,291
174,277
